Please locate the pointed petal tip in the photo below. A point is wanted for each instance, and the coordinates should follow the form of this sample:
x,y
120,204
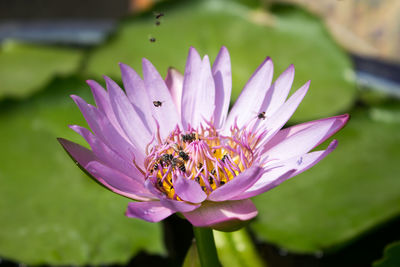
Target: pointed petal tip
x,y
173,70
89,82
346,116
333,144
106,78
77,99
193,52
122,66
64,143
266,64
304,89
74,127
110,84
224,48
145,61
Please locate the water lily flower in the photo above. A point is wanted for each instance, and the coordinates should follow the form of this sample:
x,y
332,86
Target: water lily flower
x,y
172,146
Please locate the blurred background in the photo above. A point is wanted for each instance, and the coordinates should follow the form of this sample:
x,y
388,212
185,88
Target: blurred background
x,y
343,212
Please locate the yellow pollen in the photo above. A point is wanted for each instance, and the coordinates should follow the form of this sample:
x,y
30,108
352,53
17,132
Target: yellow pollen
x,y
204,156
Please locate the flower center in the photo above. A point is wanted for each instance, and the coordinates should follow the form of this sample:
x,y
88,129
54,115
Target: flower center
x,y
204,156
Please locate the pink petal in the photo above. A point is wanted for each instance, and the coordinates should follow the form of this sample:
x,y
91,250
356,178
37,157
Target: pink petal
x,y
310,159
152,211
222,75
290,168
107,155
304,140
198,96
223,216
268,181
119,181
176,205
278,92
338,123
283,114
237,185
167,114
137,95
174,82
103,104
78,153
133,125
189,190
84,157
251,98
103,129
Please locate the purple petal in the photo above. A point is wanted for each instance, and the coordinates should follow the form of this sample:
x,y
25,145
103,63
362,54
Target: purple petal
x,y
189,190
338,123
310,159
290,168
121,182
107,155
278,92
198,96
152,211
304,140
283,114
268,181
136,92
222,75
251,98
174,82
103,104
135,129
176,205
223,216
166,114
103,129
78,153
84,157
237,185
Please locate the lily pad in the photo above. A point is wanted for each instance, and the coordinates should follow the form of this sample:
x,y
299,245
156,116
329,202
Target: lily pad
x,y
288,35
353,190
51,213
391,256
26,68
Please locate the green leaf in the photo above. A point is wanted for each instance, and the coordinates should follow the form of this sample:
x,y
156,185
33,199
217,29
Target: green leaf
x,y
288,36
25,69
236,249
52,213
391,256
347,194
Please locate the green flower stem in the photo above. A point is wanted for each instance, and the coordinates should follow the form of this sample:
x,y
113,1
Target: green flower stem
x,y
206,247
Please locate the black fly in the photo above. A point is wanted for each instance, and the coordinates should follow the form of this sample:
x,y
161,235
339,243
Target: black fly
x,y
261,115
157,103
188,138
